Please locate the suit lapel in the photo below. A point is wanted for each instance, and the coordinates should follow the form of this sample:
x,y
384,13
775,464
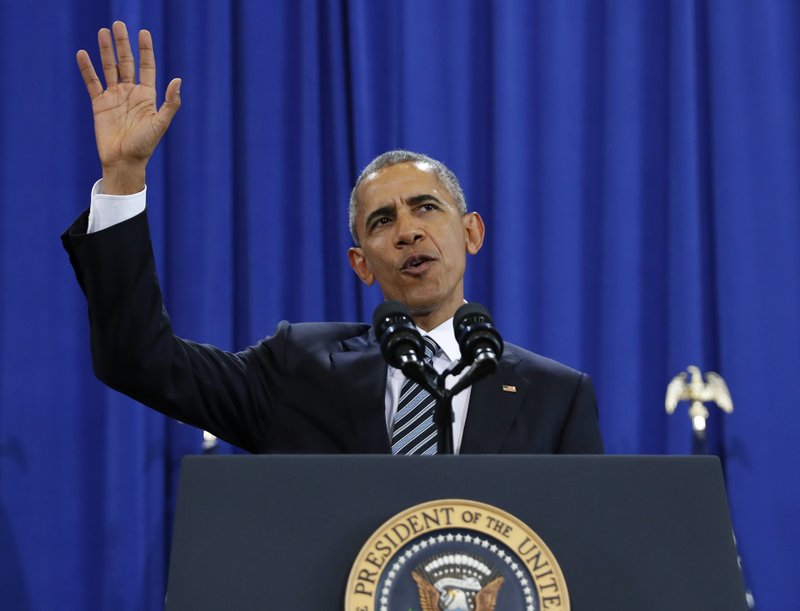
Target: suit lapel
x,y
492,409
361,371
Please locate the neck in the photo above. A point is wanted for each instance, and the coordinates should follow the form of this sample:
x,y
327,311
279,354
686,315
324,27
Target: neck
x,y
430,320
427,323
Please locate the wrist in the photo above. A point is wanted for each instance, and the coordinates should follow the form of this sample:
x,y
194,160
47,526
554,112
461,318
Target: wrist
x,y
123,179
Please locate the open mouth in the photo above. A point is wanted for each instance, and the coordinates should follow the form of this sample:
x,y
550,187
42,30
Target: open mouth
x,y
416,263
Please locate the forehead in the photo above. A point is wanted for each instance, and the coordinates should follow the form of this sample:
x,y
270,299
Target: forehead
x,y
400,182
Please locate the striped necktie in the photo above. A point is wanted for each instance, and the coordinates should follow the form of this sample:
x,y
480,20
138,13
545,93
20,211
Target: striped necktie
x,y
414,431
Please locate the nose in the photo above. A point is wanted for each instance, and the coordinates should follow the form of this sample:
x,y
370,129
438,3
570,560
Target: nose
x,y
407,229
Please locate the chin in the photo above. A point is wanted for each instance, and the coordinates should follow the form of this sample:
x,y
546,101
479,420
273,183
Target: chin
x,y
420,310
424,307
423,303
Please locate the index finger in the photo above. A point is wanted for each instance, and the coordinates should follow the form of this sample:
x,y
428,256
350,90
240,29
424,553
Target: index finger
x,y
93,84
147,59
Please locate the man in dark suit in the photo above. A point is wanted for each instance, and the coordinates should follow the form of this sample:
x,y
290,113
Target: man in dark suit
x,y
315,387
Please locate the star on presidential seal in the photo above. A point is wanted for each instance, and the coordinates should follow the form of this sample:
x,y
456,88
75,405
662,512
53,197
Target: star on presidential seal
x,y
455,555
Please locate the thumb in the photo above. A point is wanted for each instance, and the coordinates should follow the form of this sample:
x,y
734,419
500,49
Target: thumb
x,y
172,102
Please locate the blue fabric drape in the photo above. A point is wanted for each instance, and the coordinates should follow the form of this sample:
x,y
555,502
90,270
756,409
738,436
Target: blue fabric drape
x,y
636,164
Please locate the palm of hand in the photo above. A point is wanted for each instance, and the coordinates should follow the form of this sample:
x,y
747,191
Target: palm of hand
x,y
126,123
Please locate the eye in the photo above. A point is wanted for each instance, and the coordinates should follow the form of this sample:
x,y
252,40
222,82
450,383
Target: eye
x,y
379,222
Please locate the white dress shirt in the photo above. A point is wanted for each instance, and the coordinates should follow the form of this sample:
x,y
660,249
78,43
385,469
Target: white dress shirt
x,y
449,353
108,210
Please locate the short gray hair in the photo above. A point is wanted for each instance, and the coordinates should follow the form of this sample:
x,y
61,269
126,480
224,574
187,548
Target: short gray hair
x,y
443,174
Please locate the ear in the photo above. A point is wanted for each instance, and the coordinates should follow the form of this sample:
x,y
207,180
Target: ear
x,y
473,232
359,264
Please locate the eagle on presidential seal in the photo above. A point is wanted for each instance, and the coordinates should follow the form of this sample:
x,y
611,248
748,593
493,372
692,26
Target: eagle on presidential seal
x,y
457,582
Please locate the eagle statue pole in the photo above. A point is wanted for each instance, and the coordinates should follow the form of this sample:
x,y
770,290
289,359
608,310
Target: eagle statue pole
x,y
713,390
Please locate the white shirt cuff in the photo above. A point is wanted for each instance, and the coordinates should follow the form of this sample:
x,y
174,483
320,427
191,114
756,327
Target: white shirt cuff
x,y
108,210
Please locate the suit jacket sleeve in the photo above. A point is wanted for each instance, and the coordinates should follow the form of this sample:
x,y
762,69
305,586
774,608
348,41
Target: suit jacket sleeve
x,y
135,351
581,433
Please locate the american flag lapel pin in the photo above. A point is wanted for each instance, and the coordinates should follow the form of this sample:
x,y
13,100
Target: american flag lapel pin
x,y
509,388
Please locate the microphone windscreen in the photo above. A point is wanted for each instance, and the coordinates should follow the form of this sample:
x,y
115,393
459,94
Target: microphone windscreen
x,y
469,310
474,331
385,310
397,335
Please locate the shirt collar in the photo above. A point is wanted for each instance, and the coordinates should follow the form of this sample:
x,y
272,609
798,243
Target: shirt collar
x,y
445,336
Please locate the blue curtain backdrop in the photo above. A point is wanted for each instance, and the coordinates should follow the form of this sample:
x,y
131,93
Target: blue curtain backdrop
x,y
636,163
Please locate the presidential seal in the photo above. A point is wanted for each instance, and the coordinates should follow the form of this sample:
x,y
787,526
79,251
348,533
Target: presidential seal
x,y
455,555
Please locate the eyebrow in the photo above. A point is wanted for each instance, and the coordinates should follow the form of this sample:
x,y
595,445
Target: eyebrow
x,y
389,209
380,212
418,199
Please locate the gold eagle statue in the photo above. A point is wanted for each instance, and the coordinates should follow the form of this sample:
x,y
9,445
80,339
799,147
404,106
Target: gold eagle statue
x,y
695,390
432,600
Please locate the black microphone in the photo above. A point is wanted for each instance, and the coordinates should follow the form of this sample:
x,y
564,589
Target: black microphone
x,y
479,341
401,344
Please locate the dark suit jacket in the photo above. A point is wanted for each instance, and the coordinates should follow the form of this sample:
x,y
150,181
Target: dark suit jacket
x,y
311,387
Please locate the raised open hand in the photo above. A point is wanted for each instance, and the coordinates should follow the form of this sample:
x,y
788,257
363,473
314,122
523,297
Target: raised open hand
x,y
127,124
